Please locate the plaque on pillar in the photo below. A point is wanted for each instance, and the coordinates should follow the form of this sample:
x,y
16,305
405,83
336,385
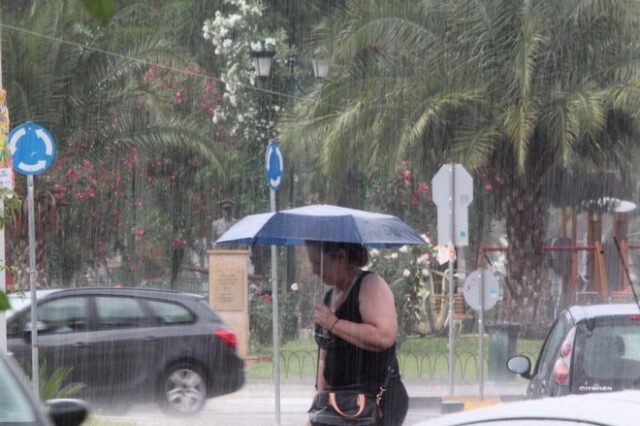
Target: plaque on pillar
x,y
228,294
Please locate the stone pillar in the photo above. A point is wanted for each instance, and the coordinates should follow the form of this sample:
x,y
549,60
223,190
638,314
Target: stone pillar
x,y
228,291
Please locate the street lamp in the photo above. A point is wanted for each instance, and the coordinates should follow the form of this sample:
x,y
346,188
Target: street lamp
x,y
320,68
262,59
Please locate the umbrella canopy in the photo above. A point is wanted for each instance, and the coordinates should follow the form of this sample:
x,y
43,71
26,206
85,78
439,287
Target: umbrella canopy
x,y
322,222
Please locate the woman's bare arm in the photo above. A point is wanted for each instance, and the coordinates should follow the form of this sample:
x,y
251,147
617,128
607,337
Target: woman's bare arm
x,y
320,382
379,326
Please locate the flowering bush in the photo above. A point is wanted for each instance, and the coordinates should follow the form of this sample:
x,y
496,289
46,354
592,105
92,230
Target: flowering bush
x,y
233,34
185,92
405,194
261,319
411,272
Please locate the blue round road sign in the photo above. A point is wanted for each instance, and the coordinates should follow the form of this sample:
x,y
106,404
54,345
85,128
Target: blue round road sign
x,y
274,164
32,148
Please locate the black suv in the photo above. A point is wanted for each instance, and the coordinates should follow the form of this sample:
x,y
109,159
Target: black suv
x,y
588,349
129,344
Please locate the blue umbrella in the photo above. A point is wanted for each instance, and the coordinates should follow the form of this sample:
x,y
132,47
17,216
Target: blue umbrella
x,y
321,222
316,223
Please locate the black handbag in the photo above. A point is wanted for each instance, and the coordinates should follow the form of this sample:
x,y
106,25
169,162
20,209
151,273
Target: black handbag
x,y
348,407
344,408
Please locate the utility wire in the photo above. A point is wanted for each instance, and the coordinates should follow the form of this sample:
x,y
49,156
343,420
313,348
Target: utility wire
x,y
145,62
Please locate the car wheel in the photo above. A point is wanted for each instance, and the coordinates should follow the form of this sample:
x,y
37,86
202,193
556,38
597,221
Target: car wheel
x,y
183,390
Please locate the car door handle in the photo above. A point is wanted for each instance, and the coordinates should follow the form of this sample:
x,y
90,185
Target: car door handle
x,y
150,338
80,344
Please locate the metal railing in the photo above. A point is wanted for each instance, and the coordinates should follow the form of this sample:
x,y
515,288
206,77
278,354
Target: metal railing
x,y
301,364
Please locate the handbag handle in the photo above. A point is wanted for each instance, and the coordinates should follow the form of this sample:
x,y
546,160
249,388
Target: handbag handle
x,y
333,403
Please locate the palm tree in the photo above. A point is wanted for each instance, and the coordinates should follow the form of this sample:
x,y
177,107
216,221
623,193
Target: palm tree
x,y
520,88
82,81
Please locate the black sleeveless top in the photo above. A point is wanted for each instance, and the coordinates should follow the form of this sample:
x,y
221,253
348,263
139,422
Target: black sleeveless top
x,y
348,366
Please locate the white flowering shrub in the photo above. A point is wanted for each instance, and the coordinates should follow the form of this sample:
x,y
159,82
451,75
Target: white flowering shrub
x,y
413,273
247,112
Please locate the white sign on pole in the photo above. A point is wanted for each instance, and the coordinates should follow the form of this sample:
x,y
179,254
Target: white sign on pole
x,y
452,194
479,294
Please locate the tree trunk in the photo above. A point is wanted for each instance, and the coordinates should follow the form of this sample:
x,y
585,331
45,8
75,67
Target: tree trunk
x,y
527,284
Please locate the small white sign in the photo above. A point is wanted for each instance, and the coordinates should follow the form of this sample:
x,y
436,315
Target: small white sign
x,y
6,178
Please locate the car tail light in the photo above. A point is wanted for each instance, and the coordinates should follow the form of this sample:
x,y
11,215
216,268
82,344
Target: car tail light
x,y
228,337
562,367
565,349
634,317
561,372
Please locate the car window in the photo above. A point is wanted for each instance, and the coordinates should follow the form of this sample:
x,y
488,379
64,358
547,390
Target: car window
x,y
170,313
64,315
119,312
15,325
551,346
608,353
14,404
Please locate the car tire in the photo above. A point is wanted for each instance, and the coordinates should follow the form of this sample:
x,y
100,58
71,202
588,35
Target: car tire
x,y
183,389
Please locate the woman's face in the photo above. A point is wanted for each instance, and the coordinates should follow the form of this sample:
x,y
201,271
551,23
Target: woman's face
x,y
330,263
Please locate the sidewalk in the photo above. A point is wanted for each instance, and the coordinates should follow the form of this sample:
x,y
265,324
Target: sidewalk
x,y
415,388
422,393
254,403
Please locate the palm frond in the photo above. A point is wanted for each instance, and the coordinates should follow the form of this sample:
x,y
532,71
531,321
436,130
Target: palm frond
x,y
519,122
476,145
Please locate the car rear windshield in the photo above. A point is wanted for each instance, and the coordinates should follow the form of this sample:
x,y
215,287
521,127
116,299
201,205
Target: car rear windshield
x,y
607,358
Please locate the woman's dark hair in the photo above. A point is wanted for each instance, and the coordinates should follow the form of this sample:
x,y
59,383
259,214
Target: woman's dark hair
x,y
357,254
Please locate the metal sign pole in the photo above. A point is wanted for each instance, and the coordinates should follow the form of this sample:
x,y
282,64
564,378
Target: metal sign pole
x,y
276,315
274,165
3,262
32,285
451,278
32,150
452,193
481,336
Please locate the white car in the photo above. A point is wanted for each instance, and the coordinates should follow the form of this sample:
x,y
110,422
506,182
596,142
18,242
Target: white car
x,y
602,409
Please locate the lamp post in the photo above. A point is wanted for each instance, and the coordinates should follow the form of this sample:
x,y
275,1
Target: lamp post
x,y
320,68
262,61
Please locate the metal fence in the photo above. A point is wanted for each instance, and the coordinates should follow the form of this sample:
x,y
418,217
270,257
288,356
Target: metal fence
x,y
301,364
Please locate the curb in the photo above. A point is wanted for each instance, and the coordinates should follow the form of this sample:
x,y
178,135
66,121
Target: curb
x,y
452,404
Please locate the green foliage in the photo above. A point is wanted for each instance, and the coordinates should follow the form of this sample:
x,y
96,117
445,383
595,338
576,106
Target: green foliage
x,y
4,302
507,88
54,384
132,137
102,10
129,90
407,194
261,318
260,322
12,204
